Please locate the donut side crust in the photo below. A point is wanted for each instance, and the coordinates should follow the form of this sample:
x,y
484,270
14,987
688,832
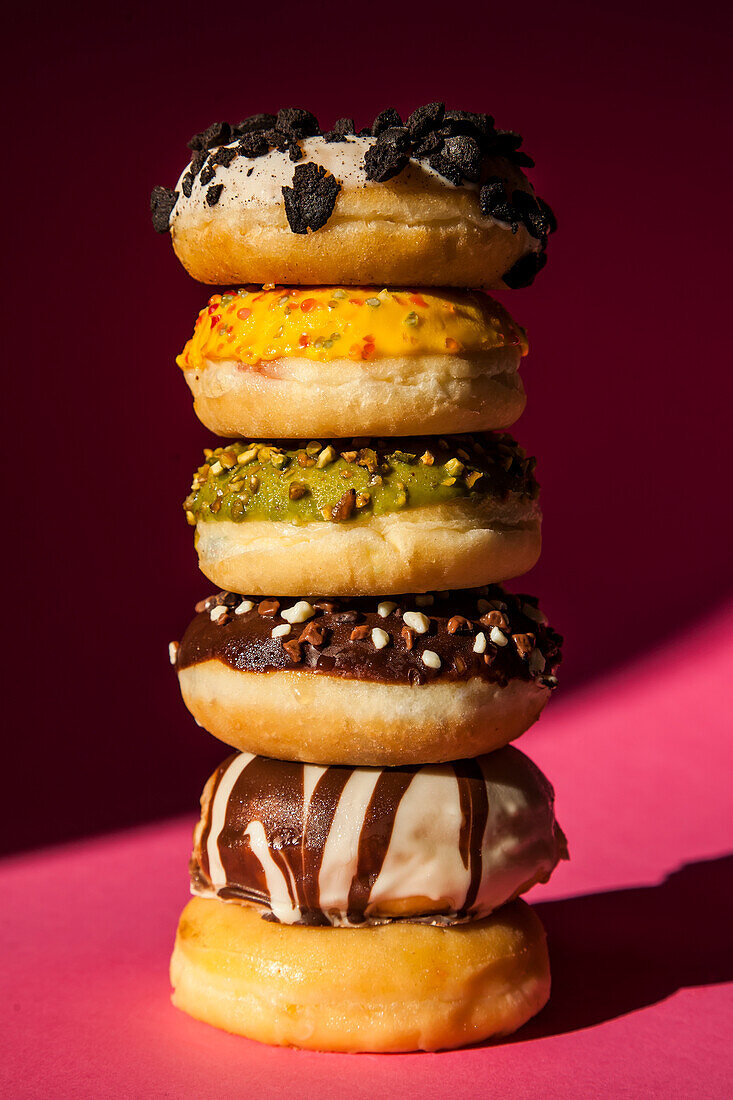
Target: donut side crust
x,y
324,719
464,544
395,987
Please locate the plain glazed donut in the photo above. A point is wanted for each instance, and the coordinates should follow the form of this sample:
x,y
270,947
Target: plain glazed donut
x,y
368,681
366,517
393,987
438,201
287,362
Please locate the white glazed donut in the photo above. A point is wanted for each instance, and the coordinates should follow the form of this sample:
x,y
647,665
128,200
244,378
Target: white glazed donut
x,y
438,201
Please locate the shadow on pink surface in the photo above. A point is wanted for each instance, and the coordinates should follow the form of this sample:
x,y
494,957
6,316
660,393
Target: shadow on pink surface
x,y
618,951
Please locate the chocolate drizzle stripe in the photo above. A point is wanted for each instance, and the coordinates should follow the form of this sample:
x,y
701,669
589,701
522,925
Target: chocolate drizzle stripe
x,y
206,830
474,815
375,835
230,772
321,812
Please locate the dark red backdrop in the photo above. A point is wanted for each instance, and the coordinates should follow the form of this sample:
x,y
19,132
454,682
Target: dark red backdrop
x,y
624,107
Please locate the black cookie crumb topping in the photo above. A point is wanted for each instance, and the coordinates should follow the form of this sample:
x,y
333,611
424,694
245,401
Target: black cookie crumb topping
x,y
162,201
297,123
340,130
522,273
462,146
214,194
310,201
388,155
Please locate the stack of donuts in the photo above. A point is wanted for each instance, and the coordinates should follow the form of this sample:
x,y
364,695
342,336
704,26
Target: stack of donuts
x,y
358,865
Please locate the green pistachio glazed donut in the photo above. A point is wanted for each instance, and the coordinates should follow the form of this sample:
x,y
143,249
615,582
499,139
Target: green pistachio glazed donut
x,y
365,516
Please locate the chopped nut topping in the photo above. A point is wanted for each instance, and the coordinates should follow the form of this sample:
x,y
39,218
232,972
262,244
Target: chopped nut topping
x,y
380,638
385,608
268,607
417,621
479,645
428,459
314,634
247,456
536,662
409,636
326,456
362,499
454,467
300,612
524,643
345,506
458,622
359,632
297,490
281,631
431,659
495,618
349,456
217,614
293,650
534,614
217,468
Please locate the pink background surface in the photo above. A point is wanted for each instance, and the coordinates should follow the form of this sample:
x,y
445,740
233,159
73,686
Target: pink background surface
x,y
639,925
625,107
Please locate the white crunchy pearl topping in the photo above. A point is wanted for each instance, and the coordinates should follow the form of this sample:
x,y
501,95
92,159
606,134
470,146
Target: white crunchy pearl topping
x,y
299,612
172,652
217,613
479,646
244,606
416,621
424,601
430,658
380,638
385,608
497,637
281,630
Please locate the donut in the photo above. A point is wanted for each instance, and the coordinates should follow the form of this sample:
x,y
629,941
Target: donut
x,y
387,896
437,200
391,987
310,844
410,680
289,362
365,516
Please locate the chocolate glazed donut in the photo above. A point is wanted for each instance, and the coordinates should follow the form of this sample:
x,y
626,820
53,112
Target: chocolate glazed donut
x,y
344,846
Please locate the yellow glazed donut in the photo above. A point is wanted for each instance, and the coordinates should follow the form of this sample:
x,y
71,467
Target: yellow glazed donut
x,y
365,516
292,362
408,680
439,200
393,987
